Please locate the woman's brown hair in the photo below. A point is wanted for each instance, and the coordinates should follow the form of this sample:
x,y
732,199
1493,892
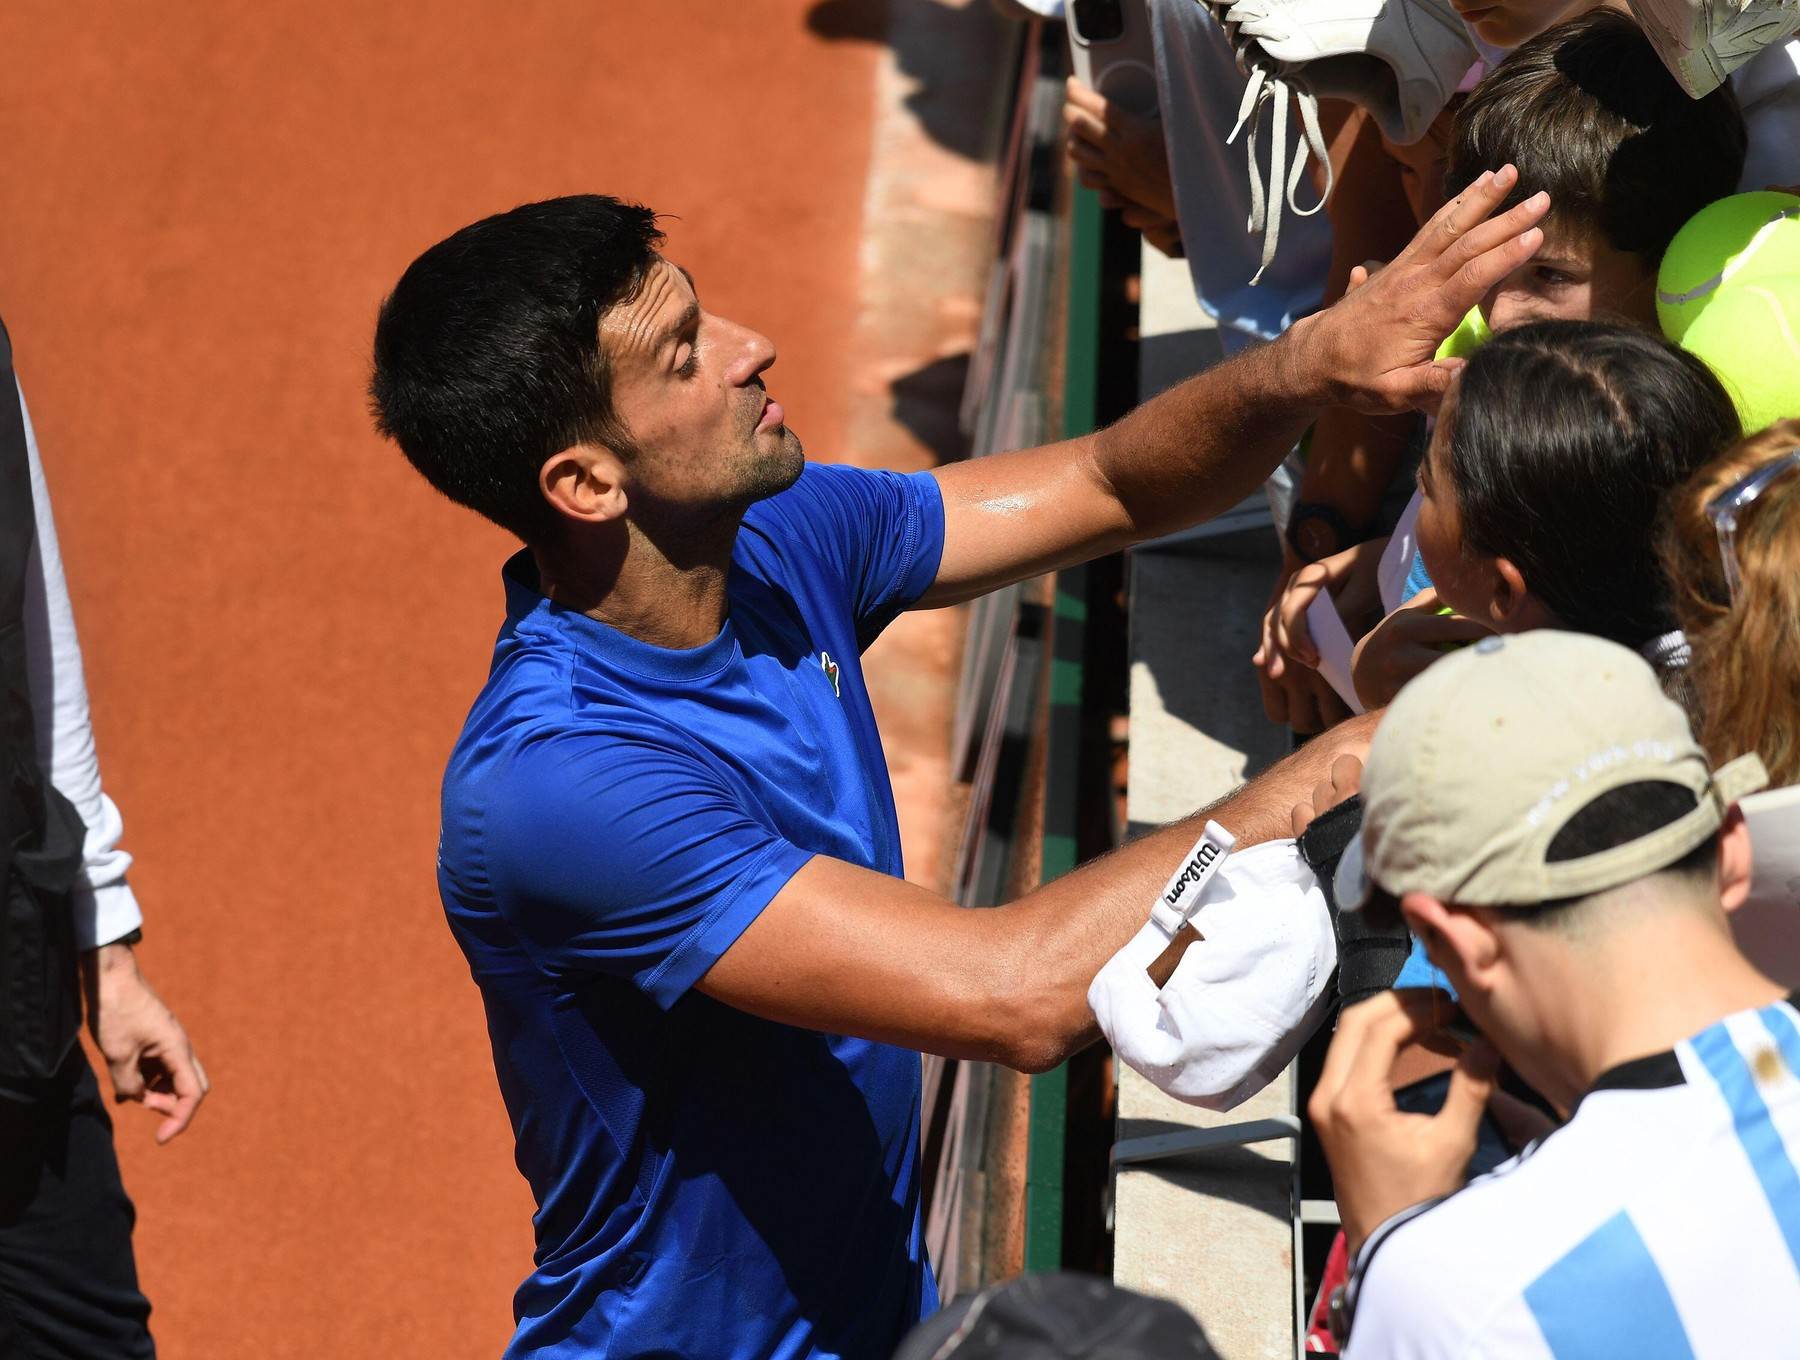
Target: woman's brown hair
x,y
1746,656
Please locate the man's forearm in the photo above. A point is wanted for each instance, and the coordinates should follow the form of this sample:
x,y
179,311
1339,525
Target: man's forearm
x,y
1202,446
1060,935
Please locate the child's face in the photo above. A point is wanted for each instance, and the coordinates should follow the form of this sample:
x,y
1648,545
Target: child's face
x,y
1576,275
1507,23
1455,572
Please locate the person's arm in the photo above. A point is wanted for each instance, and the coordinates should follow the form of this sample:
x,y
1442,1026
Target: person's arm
x,y
145,1048
1201,447
847,950
105,908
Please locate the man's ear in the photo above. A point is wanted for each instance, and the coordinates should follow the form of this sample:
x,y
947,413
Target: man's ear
x,y
1460,942
1734,860
585,482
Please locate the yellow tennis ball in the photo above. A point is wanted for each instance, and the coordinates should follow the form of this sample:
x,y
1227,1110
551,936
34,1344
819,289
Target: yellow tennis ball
x,y
1749,334
1470,335
1736,240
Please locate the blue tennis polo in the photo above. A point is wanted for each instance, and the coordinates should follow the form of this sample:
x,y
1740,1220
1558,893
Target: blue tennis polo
x,y
709,1184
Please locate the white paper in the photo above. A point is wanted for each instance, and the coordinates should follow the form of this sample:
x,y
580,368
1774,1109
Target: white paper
x,y
1397,557
1334,645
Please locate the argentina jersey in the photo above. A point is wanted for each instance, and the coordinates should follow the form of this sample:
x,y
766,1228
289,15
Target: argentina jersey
x,y
1662,1222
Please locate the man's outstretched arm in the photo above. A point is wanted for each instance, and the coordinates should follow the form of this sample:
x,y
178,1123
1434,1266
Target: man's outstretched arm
x,y
847,950
1201,447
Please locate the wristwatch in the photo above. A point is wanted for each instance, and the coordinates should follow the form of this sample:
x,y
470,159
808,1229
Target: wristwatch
x,y
1316,530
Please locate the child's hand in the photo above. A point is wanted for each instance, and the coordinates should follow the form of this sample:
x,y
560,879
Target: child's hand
x,y
1405,643
1118,151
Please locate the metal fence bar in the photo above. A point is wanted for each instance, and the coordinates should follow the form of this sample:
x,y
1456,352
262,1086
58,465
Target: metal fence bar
x,y
1046,1141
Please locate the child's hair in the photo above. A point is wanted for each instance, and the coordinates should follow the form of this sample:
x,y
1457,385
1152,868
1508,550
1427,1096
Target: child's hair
x,y
1589,114
1566,438
1746,656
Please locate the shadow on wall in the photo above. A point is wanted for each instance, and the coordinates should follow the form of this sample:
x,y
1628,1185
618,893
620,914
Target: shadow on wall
x,y
926,402
951,53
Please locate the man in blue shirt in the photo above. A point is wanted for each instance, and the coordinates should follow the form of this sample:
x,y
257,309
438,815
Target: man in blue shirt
x,y
669,846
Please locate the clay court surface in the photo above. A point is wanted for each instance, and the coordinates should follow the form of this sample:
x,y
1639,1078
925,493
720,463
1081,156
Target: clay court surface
x,y
199,212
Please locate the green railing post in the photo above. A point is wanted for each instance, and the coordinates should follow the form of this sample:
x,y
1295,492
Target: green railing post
x,y
1047,1133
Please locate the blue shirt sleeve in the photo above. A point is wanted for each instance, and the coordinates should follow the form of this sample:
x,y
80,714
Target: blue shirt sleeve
x,y
628,857
881,532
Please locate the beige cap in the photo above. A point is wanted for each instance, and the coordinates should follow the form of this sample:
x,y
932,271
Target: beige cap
x,y
1485,756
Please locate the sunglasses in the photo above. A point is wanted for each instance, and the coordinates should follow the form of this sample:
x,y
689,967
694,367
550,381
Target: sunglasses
x,y
1725,508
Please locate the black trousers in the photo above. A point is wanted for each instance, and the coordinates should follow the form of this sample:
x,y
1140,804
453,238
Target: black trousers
x,y
68,1283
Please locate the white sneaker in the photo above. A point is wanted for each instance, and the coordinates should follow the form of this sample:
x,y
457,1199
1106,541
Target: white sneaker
x,y
1399,59
1703,41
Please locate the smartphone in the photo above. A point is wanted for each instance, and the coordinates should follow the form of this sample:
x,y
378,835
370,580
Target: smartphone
x,y
1112,52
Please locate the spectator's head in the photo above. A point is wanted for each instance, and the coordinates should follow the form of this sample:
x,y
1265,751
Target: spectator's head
x,y
1545,476
1555,837
1507,23
1057,1316
1589,115
547,368
1746,665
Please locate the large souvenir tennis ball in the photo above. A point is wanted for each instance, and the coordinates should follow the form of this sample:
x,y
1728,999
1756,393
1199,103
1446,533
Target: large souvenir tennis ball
x,y
1750,336
1470,335
1738,239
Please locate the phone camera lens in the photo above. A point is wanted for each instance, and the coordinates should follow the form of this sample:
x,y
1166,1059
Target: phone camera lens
x,y
1099,20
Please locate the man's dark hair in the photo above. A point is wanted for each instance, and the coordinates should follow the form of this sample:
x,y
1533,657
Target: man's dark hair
x,y
487,352
1588,113
1565,439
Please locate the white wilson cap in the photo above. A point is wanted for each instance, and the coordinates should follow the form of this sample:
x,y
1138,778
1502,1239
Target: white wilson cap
x,y
1245,995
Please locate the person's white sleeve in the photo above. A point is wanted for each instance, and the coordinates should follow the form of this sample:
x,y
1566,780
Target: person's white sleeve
x,y
105,907
1244,997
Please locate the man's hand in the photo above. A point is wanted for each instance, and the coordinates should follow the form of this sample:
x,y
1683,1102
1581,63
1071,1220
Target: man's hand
x,y
145,1047
1202,446
1374,349
1405,643
1383,1160
1345,780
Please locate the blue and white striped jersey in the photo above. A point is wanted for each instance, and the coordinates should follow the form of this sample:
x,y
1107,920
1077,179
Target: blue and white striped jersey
x,y
1663,1220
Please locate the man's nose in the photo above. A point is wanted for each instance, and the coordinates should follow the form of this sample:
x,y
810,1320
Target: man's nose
x,y
755,353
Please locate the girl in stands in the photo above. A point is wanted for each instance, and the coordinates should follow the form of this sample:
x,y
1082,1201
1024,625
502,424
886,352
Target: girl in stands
x,y
1732,552
1542,492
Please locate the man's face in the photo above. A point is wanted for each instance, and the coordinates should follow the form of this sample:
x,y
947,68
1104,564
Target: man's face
x,y
1507,23
1576,275
687,386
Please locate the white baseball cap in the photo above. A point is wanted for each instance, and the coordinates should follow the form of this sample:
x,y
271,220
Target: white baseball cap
x,y
1245,995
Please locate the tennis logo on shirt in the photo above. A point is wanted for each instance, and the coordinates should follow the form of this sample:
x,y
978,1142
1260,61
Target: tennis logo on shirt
x,y
830,668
